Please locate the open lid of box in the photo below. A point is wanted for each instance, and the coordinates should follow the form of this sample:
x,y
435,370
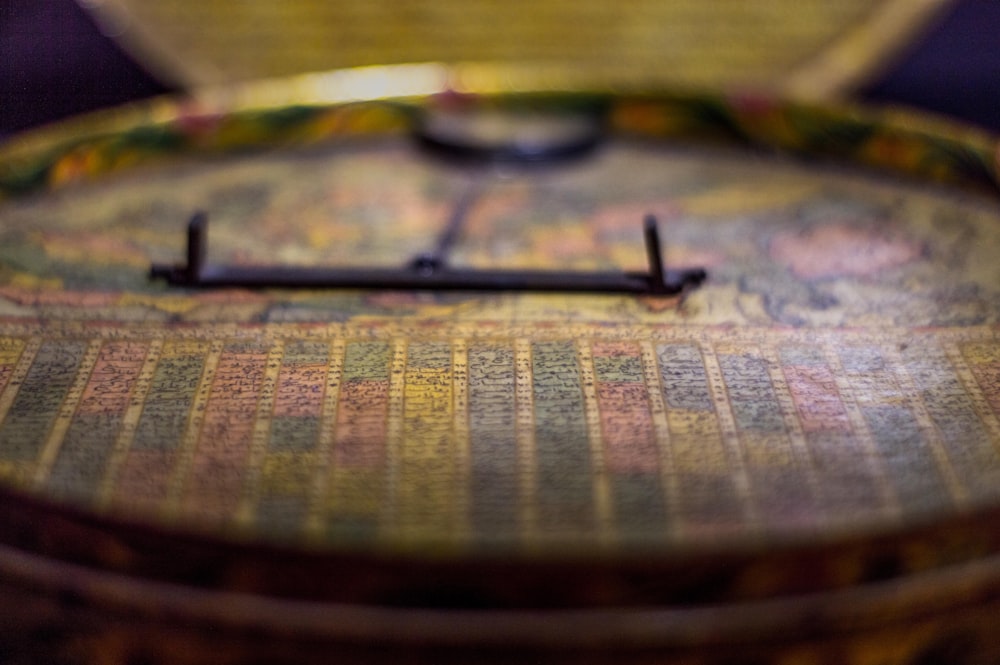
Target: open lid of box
x,y
801,47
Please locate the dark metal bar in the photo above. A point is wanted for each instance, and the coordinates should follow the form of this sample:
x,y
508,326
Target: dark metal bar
x,y
654,249
436,258
197,248
197,273
661,280
473,279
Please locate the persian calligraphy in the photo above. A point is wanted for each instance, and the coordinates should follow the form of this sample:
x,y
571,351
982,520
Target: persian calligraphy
x,y
651,436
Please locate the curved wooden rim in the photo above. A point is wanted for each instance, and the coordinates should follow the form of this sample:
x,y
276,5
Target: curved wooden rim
x,y
846,612
737,572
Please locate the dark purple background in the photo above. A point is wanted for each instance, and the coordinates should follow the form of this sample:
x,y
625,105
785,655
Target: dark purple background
x,y
54,62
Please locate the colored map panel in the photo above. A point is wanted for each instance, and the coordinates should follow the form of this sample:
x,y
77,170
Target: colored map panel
x,y
779,489
11,352
363,407
163,426
628,433
38,399
81,461
956,413
427,460
984,360
495,467
289,461
813,388
213,485
705,494
901,443
357,480
564,492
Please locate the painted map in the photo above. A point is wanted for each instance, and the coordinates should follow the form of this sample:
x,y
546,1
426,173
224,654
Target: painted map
x,y
838,371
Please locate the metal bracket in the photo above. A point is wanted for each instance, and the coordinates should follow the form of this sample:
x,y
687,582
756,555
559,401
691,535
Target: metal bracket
x,y
427,272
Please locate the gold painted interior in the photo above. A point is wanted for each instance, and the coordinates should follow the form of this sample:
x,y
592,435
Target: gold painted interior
x,y
808,47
